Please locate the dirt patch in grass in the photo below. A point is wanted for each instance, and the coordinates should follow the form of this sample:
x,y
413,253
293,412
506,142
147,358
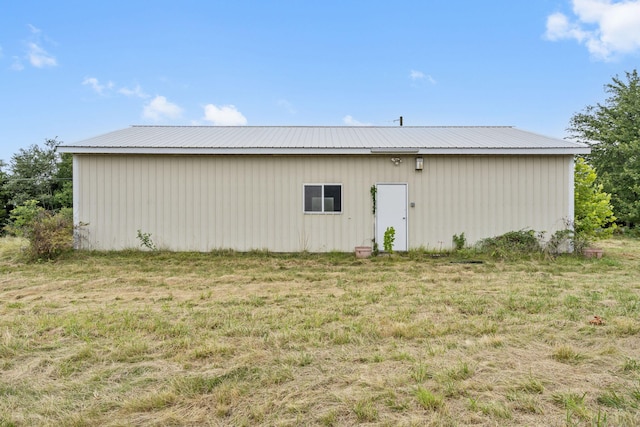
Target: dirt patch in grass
x,y
139,338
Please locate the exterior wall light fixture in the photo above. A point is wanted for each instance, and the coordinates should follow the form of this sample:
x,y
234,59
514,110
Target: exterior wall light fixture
x,y
419,163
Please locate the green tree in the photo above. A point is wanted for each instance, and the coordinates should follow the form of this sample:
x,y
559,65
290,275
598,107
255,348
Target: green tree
x,y
4,196
40,173
612,130
22,218
63,184
593,211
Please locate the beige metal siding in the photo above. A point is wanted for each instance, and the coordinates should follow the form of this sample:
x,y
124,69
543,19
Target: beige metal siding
x,y
255,202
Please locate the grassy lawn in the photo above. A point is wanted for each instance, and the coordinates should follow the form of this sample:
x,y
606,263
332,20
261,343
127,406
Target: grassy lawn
x,y
154,338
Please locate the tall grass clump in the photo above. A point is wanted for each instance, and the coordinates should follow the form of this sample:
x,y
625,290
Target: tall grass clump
x,y
428,400
511,244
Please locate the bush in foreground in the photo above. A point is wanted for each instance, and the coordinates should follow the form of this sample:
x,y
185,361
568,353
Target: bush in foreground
x,y
49,233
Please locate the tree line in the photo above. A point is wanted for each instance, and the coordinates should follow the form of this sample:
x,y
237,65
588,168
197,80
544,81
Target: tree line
x,y
37,173
612,129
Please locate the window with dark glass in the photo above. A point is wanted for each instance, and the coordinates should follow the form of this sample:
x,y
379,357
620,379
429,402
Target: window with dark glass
x,y
322,198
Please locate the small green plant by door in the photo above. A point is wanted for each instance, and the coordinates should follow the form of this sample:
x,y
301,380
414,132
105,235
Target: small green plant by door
x,y
459,241
389,238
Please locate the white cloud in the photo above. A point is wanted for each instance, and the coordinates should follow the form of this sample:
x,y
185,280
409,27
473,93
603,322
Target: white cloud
x,y
104,89
419,75
33,29
159,108
416,75
559,27
606,27
350,121
135,92
36,54
226,115
95,85
38,57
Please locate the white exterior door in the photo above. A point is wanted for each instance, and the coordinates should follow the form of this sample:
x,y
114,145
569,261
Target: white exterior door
x,y
391,211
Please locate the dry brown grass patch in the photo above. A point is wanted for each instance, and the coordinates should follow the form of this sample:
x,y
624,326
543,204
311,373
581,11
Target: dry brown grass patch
x,y
137,338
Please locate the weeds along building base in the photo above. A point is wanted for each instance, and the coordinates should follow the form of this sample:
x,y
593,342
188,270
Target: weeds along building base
x,y
318,189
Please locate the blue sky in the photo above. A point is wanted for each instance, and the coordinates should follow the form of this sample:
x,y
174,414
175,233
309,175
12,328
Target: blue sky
x,y
76,69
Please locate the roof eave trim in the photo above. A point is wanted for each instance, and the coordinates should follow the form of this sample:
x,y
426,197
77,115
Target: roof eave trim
x,y
391,150
324,151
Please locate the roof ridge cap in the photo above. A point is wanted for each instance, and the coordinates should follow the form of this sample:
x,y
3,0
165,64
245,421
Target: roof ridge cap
x,y
332,126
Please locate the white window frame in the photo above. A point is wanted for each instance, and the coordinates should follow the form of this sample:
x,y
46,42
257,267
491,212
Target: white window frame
x,y
322,185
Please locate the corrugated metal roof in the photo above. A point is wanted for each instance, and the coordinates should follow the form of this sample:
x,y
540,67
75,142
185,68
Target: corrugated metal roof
x,y
323,140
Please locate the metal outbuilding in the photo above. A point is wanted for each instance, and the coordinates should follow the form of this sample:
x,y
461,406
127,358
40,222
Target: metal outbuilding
x,y
289,189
